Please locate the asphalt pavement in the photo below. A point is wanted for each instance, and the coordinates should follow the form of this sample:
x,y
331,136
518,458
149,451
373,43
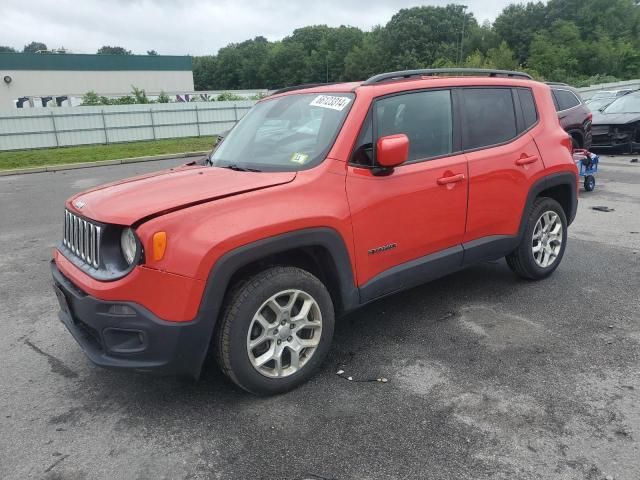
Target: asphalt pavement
x,y
489,376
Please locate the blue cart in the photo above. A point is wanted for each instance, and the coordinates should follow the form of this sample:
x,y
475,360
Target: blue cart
x,y
587,164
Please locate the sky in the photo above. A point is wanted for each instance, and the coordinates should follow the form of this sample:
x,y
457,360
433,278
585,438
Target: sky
x,y
191,27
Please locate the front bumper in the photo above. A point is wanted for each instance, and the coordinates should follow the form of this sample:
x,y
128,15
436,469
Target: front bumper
x,y
615,137
124,335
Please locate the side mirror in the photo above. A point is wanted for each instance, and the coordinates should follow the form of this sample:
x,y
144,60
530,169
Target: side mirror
x,y
392,150
220,137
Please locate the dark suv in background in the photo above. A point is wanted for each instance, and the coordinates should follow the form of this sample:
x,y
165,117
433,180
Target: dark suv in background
x,y
575,116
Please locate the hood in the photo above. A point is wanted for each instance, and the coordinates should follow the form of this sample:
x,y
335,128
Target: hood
x,y
129,201
600,118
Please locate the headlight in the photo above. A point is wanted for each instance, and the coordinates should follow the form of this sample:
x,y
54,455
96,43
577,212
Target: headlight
x,y
128,245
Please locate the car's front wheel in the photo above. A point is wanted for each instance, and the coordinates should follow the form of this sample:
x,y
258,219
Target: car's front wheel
x,y
275,331
543,243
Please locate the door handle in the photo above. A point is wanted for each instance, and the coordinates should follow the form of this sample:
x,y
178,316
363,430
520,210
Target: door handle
x,y
526,159
451,179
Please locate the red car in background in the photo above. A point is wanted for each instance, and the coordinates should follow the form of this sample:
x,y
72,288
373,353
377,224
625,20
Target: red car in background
x,y
574,115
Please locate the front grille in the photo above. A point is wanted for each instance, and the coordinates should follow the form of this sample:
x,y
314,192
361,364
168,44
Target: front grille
x,y
600,130
82,238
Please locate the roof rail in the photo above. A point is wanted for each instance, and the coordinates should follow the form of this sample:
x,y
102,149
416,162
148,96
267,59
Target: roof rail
x,y
383,77
300,87
558,84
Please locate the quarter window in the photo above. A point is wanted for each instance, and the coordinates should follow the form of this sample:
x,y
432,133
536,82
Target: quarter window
x,y
489,117
425,117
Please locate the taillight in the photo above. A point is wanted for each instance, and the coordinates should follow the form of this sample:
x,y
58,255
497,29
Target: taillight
x,y
568,143
588,121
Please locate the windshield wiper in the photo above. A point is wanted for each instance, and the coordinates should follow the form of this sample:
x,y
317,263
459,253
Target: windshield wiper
x,y
238,168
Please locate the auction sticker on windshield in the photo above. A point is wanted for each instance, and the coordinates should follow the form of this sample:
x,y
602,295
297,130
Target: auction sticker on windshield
x,y
299,158
330,101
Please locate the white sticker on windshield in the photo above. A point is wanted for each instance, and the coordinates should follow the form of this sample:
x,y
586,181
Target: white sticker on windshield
x,y
330,101
299,158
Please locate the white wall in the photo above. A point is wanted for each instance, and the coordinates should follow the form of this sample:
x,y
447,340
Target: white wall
x,y
79,82
58,127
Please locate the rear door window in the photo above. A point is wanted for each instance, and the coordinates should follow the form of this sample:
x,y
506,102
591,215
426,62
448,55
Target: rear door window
x,y
565,99
489,117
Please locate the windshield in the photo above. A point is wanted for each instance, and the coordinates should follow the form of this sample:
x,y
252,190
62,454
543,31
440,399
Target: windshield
x,y
627,104
605,94
599,103
284,134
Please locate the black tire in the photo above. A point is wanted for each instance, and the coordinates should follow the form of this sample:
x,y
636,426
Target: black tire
x,y
232,352
589,183
521,260
629,148
576,142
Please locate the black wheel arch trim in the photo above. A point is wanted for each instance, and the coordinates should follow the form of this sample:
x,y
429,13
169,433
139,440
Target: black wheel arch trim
x,y
555,180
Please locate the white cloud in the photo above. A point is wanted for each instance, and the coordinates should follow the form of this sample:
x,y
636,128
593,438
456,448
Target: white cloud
x,y
193,27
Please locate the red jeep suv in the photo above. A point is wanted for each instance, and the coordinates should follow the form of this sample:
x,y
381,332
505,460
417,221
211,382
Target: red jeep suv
x,y
320,200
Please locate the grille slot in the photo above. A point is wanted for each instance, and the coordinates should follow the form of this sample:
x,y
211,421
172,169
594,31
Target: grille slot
x,y
82,238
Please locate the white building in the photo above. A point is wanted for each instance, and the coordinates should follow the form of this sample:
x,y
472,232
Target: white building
x,y
35,79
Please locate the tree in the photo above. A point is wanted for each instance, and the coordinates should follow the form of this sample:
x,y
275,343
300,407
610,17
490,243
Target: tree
x,y
554,52
33,47
5,49
417,37
517,25
228,64
204,72
254,53
620,18
502,57
152,52
570,40
107,50
364,61
284,66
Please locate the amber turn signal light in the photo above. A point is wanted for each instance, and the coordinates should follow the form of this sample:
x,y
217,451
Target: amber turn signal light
x,y
159,245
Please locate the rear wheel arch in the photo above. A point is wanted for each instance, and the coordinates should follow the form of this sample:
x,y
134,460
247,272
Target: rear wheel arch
x,y
577,138
562,194
562,187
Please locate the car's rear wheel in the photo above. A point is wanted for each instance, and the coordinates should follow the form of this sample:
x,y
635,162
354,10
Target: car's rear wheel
x,y
276,330
576,141
543,243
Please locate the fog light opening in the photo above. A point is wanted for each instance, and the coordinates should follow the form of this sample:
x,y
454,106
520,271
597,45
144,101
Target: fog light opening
x,y
120,340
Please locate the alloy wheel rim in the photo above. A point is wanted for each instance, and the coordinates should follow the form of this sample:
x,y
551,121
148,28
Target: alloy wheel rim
x,y
284,333
547,239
